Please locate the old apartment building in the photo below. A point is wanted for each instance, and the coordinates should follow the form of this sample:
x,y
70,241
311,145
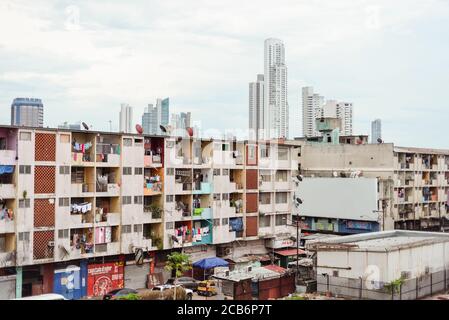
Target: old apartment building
x,y
413,183
88,202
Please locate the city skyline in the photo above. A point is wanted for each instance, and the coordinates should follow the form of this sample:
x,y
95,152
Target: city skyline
x,y
346,60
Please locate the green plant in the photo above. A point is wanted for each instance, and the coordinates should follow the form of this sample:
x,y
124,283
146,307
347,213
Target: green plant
x,y
157,242
131,296
394,286
24,194
156,211
179,263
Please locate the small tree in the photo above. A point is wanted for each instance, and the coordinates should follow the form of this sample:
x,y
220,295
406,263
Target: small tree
x,y
180,263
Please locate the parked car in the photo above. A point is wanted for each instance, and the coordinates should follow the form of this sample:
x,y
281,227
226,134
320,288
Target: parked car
x,y
164,287
207,288
186,282
118,293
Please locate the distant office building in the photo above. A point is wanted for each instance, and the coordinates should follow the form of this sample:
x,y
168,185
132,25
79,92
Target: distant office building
x,y
181,120
376,130
312,108
256,106
164,110
27,112
155,116
70,126
126,118
345,113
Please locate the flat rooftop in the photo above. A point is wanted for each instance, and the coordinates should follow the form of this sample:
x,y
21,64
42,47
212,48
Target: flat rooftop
x,y
379,241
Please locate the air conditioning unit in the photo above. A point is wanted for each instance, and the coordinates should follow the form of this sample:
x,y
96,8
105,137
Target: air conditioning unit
x,y
250,269
51,243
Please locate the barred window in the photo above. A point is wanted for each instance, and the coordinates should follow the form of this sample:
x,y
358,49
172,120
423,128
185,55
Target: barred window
x,y
216,172
126,228
24,203
138,228
226,172
169,225
169,198
127,142
225,221
281,197
138,199
24,236
216,222
64,202
126,200
127,171
170,171
25,136
138,171
24,169
63,234
225,196
281,220
216,197
64,170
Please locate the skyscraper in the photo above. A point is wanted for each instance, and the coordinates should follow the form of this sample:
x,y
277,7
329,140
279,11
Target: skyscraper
x,y
154,117
276,112
27,112
345,113
126,118
376,130
256,106
312,108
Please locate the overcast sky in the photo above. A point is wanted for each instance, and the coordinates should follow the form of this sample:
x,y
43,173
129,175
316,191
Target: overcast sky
x,y
84,58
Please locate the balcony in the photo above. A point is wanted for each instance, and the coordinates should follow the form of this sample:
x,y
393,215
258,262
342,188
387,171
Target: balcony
x,y
200,239
266,186
7,191
108,160
266,231
266,208
183,188
205,188
281,207
7,259
155,211
108,219
110,190
79,190
202,214
282,185
81,159
154,161
6,224
151,189
8,157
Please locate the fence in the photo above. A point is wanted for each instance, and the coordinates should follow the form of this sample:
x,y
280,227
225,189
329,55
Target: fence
x,y
410,289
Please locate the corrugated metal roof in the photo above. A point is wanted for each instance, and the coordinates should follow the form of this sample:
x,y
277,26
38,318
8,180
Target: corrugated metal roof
x,y
290,252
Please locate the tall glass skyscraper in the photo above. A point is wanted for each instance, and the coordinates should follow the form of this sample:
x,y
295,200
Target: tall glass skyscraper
x,y
27,112
154,117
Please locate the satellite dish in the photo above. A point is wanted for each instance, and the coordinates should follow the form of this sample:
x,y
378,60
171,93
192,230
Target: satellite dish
x,y
379,140
190,132
299,177
139,129
174,238
163,129
299,201
85,126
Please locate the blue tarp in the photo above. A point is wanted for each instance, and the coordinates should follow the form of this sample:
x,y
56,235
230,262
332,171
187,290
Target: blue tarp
x,y
210,263
236,224
6,169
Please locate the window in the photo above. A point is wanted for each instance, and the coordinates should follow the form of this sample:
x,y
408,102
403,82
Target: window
x,y
225,196
138,171
169,225
126,200
24,203
169,198
225,221
64,170
226,172
64,202
281,220
264,221
24,236
281,197
138,199
225,147
216,222
265,198
170,144
138,228
334,273
251,152
127,142
216,197
170,171
24,169
265,176
64,138
282,154
63,234
25,136
126,228
127,171
216,172
281,176
264,151
138,142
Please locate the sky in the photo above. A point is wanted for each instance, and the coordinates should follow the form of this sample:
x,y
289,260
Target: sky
x,y
84,58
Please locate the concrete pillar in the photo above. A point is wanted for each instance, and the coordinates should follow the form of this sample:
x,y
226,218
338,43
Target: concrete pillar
x,y
18,282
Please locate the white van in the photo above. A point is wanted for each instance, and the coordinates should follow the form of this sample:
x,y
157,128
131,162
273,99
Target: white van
x,y
48,296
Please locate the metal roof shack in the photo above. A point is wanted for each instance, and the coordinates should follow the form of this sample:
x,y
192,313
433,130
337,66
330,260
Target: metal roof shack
x,y
257,273
289,252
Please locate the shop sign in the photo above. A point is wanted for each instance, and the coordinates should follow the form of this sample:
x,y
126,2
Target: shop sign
x,y
102,278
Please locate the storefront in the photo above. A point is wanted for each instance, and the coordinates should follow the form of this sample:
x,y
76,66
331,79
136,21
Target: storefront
x,y
71,281
136,276
104,277
7,287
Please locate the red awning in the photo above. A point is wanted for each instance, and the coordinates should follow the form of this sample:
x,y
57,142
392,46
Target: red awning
x,y
290,252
